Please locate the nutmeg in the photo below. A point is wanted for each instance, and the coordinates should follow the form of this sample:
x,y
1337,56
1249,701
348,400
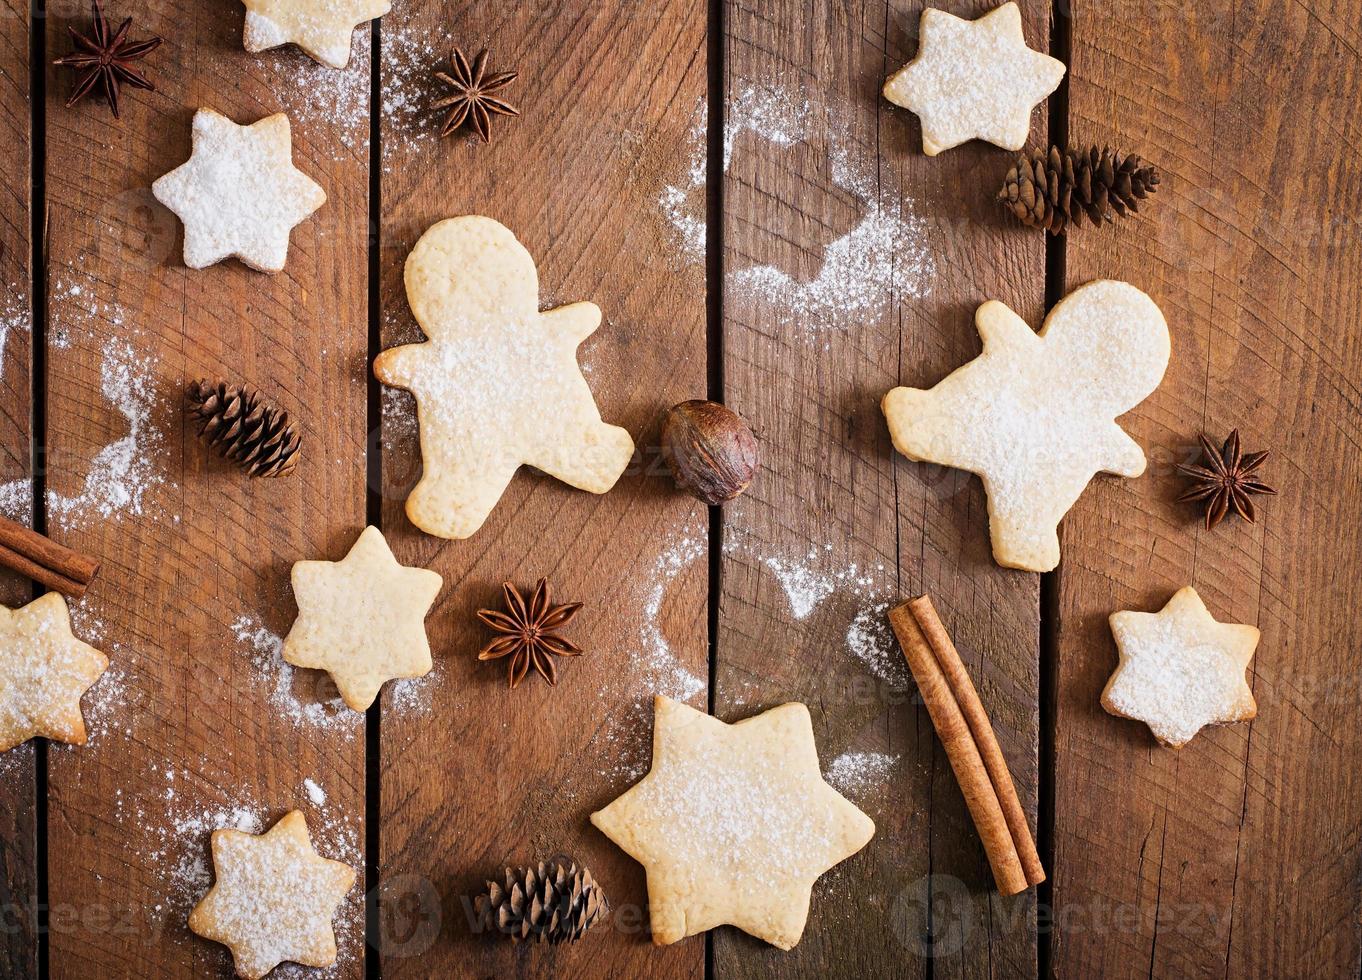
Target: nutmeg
x,y
709,449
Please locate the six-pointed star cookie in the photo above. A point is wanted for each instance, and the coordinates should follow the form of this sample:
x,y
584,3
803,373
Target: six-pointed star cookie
x,y
362,618
44,671
973,79
1034,414
497,384
734,823
1180,670
273,899
239,193
322,28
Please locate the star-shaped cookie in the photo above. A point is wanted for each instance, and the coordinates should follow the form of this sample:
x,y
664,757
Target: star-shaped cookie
x,y
1180,670
322,28
734,823
973,79
44,671
239,194
273,899
497,385
362,619
1034,414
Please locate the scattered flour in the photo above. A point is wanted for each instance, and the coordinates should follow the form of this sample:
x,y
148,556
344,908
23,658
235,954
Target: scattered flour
x,y
860,773
331,104
177,835
408,87
655,669
871,641
325,711
16,499
14,315
804,586
767,112
107,706
883,259
679,200
124,471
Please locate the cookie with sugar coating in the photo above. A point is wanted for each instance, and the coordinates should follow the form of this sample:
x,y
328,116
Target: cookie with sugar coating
x,y
734,823
1034,415
1180,670
497,383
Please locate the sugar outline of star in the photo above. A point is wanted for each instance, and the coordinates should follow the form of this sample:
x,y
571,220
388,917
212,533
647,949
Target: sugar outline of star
x,y
222,233
1237,641
50,610
671,718
327,43
291,829
406,596
997,33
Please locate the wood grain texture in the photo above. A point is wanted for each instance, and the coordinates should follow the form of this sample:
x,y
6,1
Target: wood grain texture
x,y
475,776
837,528
1238,855
18,783
186,727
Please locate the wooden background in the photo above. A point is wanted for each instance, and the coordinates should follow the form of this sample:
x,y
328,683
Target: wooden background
x,y
758,226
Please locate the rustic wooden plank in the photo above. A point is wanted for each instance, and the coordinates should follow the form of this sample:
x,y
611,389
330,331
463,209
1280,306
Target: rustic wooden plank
x,y
194,726
1236,856
18,785
854,263
475,776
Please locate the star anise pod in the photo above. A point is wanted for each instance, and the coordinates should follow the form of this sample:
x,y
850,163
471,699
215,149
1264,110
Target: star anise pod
x,y
1226,480
104,59
472,102
528,632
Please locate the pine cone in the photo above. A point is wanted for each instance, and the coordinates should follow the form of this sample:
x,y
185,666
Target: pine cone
x,y
257,437
554,902
1054,190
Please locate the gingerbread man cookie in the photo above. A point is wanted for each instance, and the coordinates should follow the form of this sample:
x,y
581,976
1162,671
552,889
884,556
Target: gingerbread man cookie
x,y
273,899
322,28
1034,414
734,823
1180,670
497,385
44,671
973,79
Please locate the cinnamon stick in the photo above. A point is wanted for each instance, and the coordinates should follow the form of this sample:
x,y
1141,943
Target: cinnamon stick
x,y
971,745
43,560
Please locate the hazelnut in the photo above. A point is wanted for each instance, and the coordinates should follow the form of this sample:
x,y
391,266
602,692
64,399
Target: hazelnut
x,y
709,449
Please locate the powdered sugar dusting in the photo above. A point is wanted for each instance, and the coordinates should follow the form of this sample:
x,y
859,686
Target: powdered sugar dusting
x,y
123,472
682,204
767,112
884,258
653,669
324,708
16,499
804,586
860,774
1173,678
314,792
409,58
819,584
177,832
15,314
330,106
871,641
